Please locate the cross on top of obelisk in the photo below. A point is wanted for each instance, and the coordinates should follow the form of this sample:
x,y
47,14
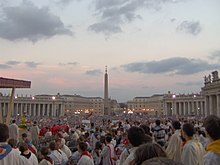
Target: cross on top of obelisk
x,y
106,69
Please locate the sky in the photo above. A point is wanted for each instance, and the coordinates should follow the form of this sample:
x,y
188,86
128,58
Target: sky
x,y
149,46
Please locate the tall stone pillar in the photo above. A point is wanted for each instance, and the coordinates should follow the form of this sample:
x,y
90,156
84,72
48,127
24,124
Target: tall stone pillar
x,y
218,105
189,108
202,108
180,109
197,108
174,108
35,109
43,110
4,109
48,109
106,101
17,109
165,109
207,112
211,104
1,119
184,108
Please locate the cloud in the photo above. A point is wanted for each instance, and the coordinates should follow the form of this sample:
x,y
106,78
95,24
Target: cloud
x,y
173,20
115,13
105,27
195,83
4,66
13,62
64,2
192,27
95,72
31,64
30,22
176,65
72,63
215,55
69,63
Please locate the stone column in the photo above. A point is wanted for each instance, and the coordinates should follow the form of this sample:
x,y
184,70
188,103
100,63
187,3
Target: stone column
x,y
197,108
165,108
180,109
1,119
22,111
184,108
174,108
26,108
38,110
4,109
218,105
60,110
211,104
189,108
54,110
202,108
48,109
34,110
43,110
207,112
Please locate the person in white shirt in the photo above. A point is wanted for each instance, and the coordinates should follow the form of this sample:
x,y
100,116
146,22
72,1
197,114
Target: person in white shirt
x,y
27,157
85,156
193,150
13,143
34,130
46,159
64,148
13,130
48,133
8,156
58,156
174,148
108,155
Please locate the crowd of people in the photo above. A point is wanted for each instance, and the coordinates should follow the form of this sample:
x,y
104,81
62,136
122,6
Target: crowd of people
x,y
111,141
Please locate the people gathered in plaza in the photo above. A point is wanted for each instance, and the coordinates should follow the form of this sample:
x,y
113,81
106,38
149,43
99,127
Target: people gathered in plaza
x,y
111,140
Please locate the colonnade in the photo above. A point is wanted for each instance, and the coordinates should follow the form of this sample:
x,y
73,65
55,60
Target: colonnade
x,y
184,108
212,104
33,109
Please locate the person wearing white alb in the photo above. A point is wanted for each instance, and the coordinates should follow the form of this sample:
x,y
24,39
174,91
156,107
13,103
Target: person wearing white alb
x,y
85,156
13,130
174,148
193,150
8,156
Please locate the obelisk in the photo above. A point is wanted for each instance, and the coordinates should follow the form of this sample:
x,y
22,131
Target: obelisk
x,y
106,101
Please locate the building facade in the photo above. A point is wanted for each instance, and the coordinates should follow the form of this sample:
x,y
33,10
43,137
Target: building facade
x,y
152,106
204,103
50,105
211,93
184,104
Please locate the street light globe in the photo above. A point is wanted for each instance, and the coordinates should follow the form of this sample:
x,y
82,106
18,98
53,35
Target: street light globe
x,y
53,97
